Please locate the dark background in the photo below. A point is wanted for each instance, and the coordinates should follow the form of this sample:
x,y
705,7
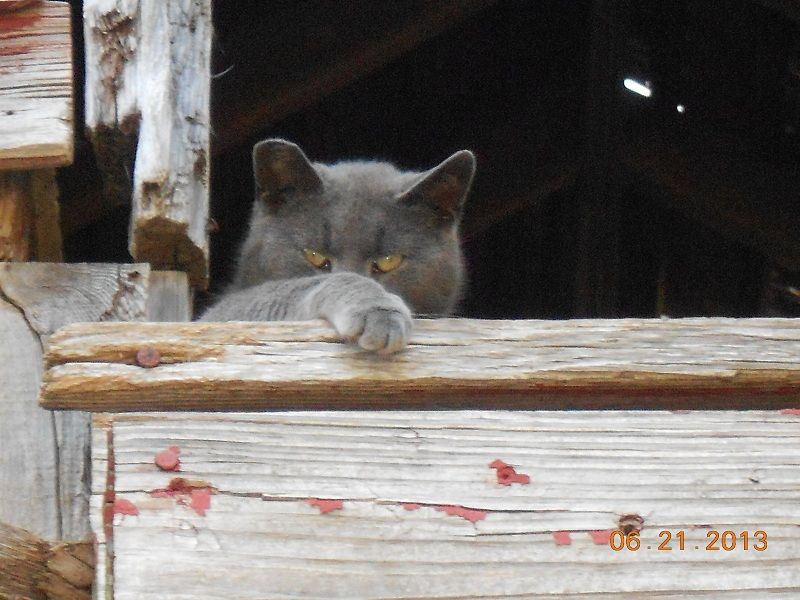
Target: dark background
x,y
589,200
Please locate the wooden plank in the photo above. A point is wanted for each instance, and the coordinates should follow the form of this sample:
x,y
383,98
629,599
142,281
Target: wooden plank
x,y
169,297
31,568
36,121
258,536
43,486
681,363
169,223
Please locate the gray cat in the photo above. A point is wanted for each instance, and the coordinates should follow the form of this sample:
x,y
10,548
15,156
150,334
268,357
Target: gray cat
x,y
361,244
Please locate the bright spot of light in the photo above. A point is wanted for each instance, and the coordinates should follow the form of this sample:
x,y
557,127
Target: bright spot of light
x,y
680,108
637,87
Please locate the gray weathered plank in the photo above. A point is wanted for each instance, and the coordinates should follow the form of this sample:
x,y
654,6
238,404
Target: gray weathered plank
x,y
589,471
681,363
169,297
43,463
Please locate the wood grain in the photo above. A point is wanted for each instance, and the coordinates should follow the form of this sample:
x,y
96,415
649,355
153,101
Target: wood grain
x,y
29,216
681,363
43,463
260,537
36,121
33,569
171,180
169,297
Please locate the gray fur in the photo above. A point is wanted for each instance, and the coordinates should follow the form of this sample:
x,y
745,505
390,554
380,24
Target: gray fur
x,y
354,212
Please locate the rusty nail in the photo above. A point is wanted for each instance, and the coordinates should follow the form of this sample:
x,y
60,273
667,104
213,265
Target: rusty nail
x,y
148,357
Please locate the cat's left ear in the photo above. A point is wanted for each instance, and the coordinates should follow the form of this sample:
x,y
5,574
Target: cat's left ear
x,y
444,188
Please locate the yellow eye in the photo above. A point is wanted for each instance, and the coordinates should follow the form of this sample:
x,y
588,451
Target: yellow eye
x,y
317,259
387,263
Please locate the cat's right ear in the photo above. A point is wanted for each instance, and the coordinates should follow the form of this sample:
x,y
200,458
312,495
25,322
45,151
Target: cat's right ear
x,y
282,170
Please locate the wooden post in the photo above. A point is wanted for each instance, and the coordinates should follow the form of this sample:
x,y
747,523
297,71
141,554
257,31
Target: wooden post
x,y
29,216
169,297
112,110
170,198
43,486
597,269
148,93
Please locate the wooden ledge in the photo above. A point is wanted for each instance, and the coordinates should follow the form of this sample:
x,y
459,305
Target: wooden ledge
x,y
582,364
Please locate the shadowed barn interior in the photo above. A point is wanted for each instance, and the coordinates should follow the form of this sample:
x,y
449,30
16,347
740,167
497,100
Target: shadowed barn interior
x,y
590,199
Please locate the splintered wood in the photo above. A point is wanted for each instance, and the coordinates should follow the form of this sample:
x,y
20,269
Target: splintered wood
x,y
148,87
408,505
628,363
36,127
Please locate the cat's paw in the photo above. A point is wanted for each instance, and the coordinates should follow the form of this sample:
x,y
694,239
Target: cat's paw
x,y
381,325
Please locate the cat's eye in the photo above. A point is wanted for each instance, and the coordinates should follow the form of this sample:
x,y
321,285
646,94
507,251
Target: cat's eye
x,y
317,259
387,263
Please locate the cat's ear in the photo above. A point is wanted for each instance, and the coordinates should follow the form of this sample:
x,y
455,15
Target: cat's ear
x,y
282,169
444,188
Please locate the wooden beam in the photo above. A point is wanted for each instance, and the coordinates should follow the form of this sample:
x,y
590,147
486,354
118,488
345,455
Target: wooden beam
x,y
29,216
291,56
147,102
43,486
251,519
36,121
169,223
652,364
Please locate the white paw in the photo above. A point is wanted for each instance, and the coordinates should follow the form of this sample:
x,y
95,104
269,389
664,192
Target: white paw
x,y
380,324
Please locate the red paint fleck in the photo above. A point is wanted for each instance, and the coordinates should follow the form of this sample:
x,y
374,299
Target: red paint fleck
x,y
194,493
201,501
168,460
411,506
562,538
124,507
601,537
506,474
791,411
470,514
326,505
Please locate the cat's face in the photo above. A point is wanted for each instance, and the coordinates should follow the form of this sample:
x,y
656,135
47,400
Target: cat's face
x,y
399,228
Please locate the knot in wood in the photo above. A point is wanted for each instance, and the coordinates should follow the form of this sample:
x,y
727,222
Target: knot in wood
x,y
148,357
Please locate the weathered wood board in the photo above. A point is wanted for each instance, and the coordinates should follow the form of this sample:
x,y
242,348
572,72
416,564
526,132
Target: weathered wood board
x,y
36,123
459,363
241,524
29,216
44,456
148,86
